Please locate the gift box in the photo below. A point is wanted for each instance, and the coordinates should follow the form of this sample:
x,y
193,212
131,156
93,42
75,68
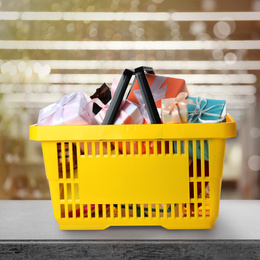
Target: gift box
x,y
174,110
73,109
129,113
204,111
104,94
161,87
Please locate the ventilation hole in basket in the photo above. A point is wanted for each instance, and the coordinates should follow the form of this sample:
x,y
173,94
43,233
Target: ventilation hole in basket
x,y
108,210
159,147
206,149
176,211
100,209
184,210
153,210
192,210
146,210
70,211
207,210
128,148
115,209
97,149
123,210
198,158
207,190
161,210
174,147
61,191
151,147
67,159
191,190
138,210
62,211
89,149
130,207
93,210
82,148
168,210
199,190
110,149
85,210
167,150
198,168
191,168
206,168
59,158
122,148
74,155
69,191
77,210
142,147
147,148
182,147
200,210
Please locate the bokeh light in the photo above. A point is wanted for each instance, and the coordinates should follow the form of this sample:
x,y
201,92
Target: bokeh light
x,y
222,30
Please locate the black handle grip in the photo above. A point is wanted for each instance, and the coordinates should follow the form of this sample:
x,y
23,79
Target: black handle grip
x,y
118,97
147,94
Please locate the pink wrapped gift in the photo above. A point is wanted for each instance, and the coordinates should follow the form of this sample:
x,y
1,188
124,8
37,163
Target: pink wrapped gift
x,y
129,113
73,109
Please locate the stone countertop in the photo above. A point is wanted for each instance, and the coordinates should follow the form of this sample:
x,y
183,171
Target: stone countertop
x,y
29,226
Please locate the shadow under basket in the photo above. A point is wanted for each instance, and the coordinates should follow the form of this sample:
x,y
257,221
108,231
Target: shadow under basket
x,y
121,175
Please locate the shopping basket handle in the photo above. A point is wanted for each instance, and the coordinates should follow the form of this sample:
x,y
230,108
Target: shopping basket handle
x,y
118,97
147,94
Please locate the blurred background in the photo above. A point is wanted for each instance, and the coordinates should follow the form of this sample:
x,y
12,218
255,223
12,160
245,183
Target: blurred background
x,y
53,47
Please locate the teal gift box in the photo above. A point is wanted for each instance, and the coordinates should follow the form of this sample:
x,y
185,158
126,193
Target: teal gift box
x,y
204,111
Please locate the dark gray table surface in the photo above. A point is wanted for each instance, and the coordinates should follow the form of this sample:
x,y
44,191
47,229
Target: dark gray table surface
x,y
28,229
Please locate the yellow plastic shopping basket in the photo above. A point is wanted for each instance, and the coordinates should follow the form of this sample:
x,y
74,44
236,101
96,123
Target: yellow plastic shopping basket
x,y
99,187
139,175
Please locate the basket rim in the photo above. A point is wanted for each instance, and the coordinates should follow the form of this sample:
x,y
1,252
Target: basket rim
x,y
135,132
